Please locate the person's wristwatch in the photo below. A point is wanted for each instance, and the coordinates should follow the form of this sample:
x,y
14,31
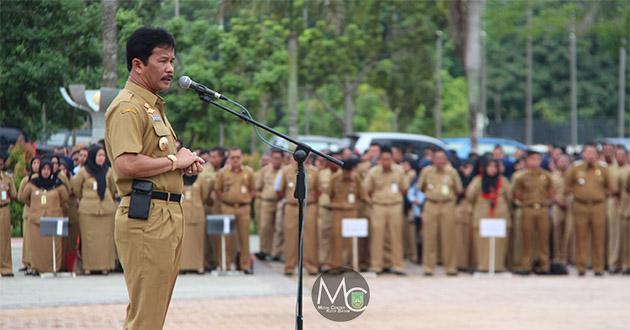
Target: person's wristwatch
x,y
173,159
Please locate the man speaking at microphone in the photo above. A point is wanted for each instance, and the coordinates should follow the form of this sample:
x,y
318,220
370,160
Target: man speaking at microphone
x,y
148,170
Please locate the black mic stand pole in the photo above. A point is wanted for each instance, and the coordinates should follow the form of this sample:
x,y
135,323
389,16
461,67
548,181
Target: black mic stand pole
x,y
300,155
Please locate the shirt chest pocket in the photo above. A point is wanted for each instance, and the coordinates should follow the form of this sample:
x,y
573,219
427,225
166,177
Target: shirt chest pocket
x,y
163,143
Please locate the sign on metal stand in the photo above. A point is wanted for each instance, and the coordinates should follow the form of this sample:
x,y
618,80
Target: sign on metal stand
x,y
492,228
223,225
54,227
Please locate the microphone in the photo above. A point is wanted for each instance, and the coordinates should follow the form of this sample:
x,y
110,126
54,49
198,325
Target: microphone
x,y
186,82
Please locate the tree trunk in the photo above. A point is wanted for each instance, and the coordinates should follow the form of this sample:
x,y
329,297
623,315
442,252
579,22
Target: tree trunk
x,y
437,111
472,61
622,91
529,108
307,118
348,105
110,44
293,84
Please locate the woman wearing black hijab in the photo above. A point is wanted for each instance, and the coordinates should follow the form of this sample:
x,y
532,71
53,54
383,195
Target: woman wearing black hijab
x,y
490,196
45,195
33,172
94,187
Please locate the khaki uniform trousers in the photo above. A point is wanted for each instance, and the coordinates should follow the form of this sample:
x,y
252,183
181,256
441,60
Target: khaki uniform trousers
x,y
482,247
563,235
291,238
590,220
614,234
278,230
324,234
438,225
212,243
266,225
242,216
535,220
149,252
463,235
6,262
386,221
341,247
409,238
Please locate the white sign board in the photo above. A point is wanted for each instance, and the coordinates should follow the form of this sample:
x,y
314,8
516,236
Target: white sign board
x,y
226,225
354,227
492,228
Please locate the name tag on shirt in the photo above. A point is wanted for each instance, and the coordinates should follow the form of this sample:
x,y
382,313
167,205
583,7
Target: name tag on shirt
x,y
243,190
445,190
43,199
94,185
156,117
394,188
4,195
351,198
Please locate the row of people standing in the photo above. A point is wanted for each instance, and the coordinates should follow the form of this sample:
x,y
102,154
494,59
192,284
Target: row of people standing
x,y
88,199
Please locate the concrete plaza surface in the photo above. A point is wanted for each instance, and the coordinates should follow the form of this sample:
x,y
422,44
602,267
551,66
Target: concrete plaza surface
x,y
267,301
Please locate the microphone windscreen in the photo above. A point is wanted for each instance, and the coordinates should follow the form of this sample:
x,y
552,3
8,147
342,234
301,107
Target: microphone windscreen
x,y
184,82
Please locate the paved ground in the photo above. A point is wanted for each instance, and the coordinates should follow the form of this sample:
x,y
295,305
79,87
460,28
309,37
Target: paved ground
x,y
266,301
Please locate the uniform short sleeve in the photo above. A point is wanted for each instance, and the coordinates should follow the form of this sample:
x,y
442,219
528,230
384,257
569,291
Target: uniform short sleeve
x,y
125,130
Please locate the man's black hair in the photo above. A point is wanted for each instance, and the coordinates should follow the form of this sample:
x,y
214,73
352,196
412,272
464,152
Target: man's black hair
x,y
141,43
276,151
219,150
386,149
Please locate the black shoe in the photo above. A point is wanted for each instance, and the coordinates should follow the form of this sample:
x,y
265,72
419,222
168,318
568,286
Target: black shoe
x,y
626,272
399,273
428,274
288,273
599,274
451,274
313,273
7,275
277,259
522,272
262,256
248,271
615,271
581,274
23,269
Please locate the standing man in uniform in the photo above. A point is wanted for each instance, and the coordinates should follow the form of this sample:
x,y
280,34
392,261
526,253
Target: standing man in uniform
x,y
561,216
212,244
386,187
235,189
589,183
148,174
534,189
441,185
268,203
7,194
285,188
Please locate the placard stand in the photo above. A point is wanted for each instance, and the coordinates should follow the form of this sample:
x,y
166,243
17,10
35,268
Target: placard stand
x,y
54,227
491,229
356,228
224,225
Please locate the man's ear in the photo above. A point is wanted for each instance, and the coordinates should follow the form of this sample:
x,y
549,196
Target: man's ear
x,y
137,65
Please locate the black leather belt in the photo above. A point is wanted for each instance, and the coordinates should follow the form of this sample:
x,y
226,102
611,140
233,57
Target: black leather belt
x,y
439,202
165,196
589,202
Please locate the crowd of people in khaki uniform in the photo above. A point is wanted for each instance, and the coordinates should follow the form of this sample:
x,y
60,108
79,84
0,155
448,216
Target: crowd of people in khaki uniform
x,y
558,211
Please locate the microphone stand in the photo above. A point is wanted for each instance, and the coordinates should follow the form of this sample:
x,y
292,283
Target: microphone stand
x,y
300,155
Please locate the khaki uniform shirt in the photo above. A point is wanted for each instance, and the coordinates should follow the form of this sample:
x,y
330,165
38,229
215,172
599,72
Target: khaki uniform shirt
x,y
533,187
44,203
136,123
440,186
385,187
7,189
236,187
588,184
265,183
85,188
286,185
624,190
345,193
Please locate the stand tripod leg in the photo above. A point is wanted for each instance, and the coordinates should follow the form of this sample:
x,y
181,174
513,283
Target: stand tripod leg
x,y
355,253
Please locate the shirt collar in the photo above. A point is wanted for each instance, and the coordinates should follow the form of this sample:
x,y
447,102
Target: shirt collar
x,y
149,97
